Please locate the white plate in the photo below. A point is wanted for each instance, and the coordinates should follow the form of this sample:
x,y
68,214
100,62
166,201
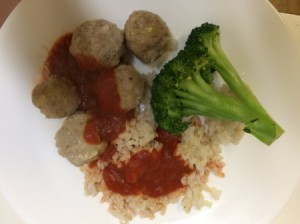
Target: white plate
x,y
44,188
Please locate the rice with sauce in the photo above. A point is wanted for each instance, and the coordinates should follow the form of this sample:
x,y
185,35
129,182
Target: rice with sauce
x,y
199,147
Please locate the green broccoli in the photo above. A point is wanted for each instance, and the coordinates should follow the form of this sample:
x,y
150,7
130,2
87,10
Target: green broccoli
x,y
183,88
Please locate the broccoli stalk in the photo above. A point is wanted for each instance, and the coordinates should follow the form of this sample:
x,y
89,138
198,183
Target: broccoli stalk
x,y
209,36
183,88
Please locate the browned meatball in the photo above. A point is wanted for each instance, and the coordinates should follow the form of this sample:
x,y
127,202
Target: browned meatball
x,y
71,143
56,97
130,86
97,44
147,35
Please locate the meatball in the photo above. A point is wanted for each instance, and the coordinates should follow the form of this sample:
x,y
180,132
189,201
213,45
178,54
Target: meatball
x,y
56,97
97,44
130,86
71,143
147,36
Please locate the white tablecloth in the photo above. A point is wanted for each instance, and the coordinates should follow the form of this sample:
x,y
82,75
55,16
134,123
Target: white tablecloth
x,y
290,214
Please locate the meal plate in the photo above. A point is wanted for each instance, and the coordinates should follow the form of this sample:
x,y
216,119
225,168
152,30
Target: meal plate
x,y
42,187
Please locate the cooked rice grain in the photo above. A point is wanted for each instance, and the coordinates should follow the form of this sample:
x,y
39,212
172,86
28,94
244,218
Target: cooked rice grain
x,y
199,147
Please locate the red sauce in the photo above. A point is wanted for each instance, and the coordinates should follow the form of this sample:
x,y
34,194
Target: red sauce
x,y
153,173
97,90
107,95
111,118
61,62
93,164
108,153
91,133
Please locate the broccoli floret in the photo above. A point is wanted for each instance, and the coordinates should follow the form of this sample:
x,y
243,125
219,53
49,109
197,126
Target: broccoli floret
x,y
183,88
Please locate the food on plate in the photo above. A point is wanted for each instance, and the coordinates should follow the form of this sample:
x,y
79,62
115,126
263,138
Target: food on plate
x,y
147,168
147,36
142,161
97,44
130,85
182,88
71,143
56,97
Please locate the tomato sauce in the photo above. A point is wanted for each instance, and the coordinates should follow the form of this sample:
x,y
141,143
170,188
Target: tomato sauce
x,y
155,173
91,133
97,90
107,95
60,62
108,153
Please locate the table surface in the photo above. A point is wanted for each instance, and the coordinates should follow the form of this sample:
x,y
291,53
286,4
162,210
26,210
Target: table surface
x,y
288,215
287,6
